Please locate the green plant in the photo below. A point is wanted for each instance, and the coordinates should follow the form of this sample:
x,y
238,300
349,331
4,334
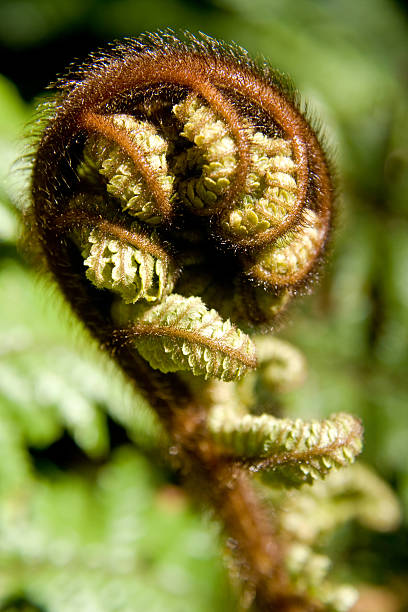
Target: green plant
x,y
181,200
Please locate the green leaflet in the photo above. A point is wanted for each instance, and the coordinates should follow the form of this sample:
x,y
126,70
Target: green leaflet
x,y
270,191
182,334
123,180
290,452
357,493
120,267
289,257
214,154
309,513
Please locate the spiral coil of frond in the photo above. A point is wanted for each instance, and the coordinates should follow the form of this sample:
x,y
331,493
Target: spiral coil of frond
x,y
181,200
190,170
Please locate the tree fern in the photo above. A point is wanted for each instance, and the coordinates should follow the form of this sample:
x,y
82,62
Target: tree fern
x,y
245,222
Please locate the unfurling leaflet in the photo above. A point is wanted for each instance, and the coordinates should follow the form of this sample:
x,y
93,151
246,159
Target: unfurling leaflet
x,y
182,334
308,513
289,451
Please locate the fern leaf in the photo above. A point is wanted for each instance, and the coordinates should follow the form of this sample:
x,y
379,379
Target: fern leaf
x,y
107,159
289,452
290,256
121,267
270,190
182,334
214,155
75,542
308,571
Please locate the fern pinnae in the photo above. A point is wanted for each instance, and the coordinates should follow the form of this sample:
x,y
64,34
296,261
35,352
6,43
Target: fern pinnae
x,y
127,262
182,334
115,129
288,451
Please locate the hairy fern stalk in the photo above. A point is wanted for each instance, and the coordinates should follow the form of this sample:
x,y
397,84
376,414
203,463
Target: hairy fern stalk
x,y
181,200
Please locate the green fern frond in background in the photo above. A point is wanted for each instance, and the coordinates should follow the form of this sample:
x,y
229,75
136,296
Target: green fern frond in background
x,y
80,539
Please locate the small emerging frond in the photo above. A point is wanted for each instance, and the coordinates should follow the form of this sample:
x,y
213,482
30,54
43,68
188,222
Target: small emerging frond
x,y
182,334
260,305
289,452
282,366
132,273
357,493
308,571
270,187
213,156
289,258
124,182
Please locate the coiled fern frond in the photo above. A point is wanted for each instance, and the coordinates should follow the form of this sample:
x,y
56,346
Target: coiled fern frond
x,y
182,199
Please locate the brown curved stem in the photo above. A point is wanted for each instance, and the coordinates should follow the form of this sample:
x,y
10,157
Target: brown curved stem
x,y
140,240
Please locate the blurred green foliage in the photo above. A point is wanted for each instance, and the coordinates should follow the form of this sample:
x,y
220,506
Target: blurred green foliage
x,y
86,521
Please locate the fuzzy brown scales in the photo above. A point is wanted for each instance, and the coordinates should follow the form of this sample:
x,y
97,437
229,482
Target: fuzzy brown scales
x,y
143,80
80,218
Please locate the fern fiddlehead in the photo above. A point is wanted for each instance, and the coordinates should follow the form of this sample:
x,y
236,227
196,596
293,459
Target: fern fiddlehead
x,y
181,200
